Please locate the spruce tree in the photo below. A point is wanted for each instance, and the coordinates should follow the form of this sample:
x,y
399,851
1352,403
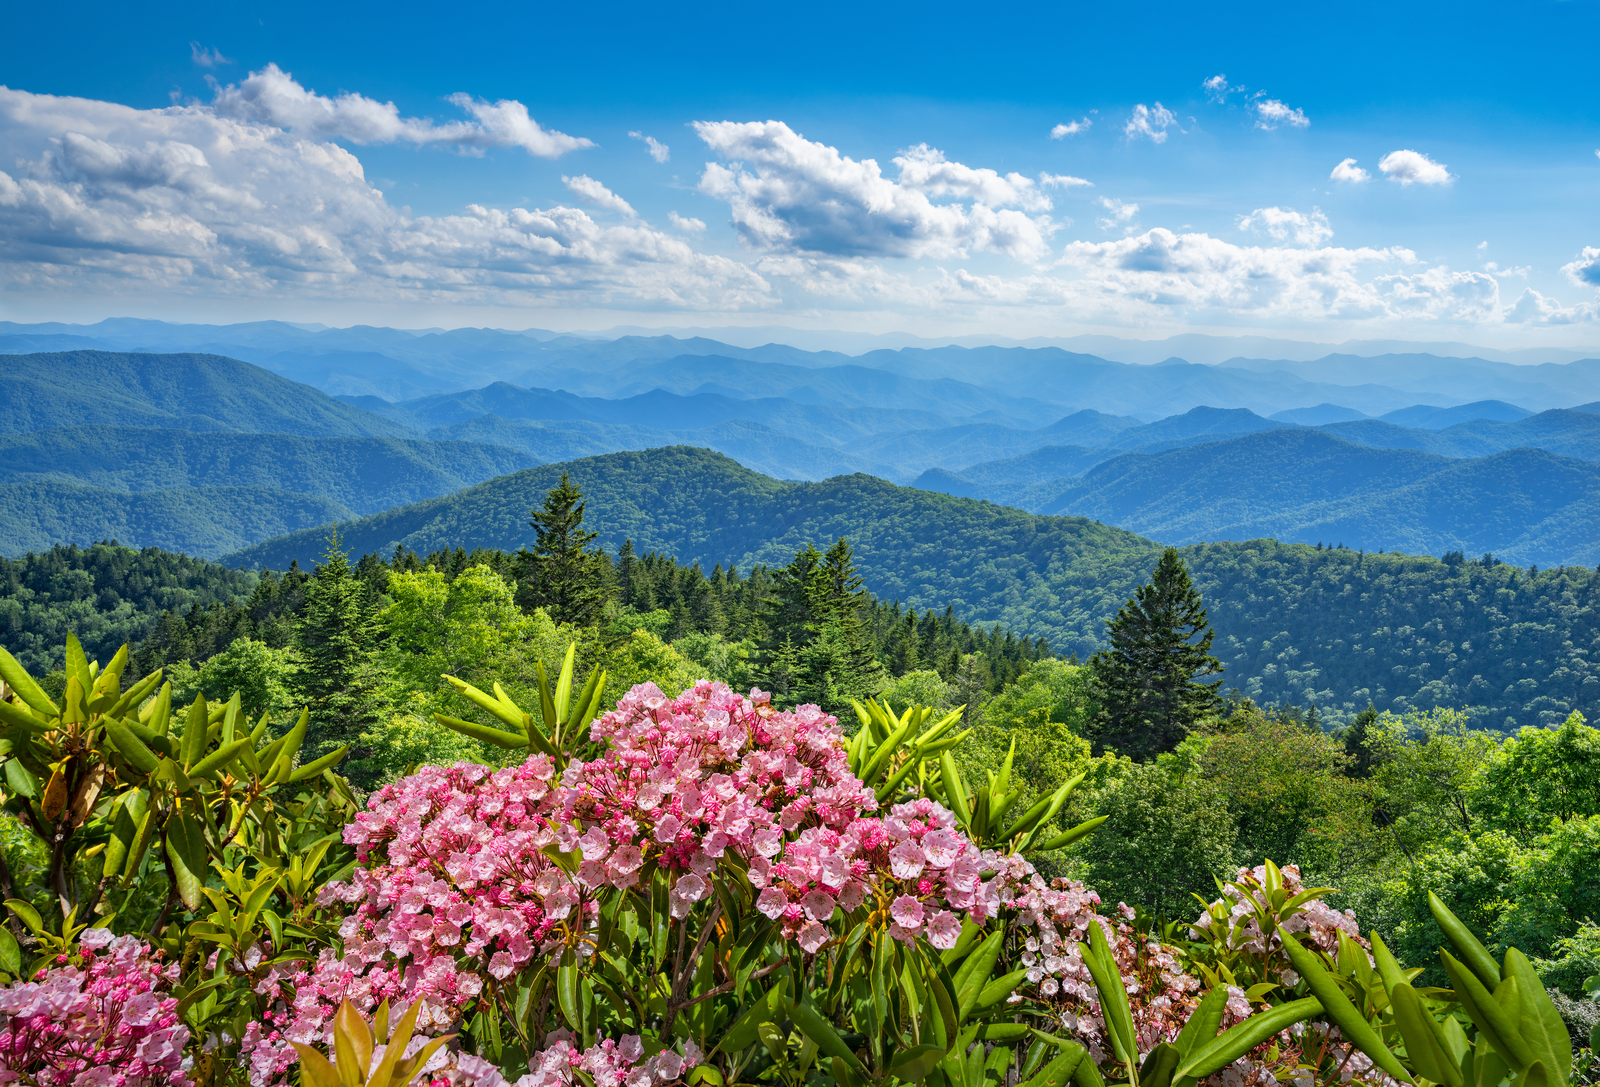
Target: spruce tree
x,y
1151,682
338,679
563,574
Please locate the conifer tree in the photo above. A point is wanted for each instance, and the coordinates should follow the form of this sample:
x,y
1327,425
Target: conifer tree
x,y
563,574
1151,682
338,680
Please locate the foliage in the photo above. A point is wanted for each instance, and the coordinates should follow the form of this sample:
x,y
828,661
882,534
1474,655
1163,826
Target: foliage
x,y
1167,835
106,594
563,574
338,678
1152,681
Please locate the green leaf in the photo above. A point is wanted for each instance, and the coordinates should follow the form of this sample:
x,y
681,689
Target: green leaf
x,y
1059,1070
1213,1056
819,1030
955,789
1067,837
1542,1025
18,679
1470,950
140,757
974,973
1498,1025
312,769
1338,1007
194,732
27,915
1424,1047
913,1065
1113,995
219,759
186,847
10,953
1203,1022
511,741
998,989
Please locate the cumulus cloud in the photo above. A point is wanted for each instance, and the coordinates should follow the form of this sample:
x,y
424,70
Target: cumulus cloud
x,y
1533,308
1150,123
1072,128
596,195
1414,168
658,150
1347,170
1064,181
790,194
189,199
1117,214
1585,270
272,97
207,58
1217,89
685,224
1270,113
1286,224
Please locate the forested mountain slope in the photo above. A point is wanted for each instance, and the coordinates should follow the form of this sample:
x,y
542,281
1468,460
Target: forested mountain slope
x,y
184,392
1295,623
362,474
1303,485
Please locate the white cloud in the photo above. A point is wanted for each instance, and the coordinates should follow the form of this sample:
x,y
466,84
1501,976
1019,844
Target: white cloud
x,y
596,195
1217,89
1347,170
1494,269
1585,270
185,200
1270,113
1150,123
1064,181
1533,308
687,225
207,58
1414,168
790,194
1285,224
1072,128
1117,214
658,150
1483,245
272,97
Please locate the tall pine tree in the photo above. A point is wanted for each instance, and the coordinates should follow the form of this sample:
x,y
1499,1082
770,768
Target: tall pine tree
x,y
338,680
1152,682
563,574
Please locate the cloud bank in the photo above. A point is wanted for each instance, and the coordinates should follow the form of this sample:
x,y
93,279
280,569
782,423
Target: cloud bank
x,y
256,196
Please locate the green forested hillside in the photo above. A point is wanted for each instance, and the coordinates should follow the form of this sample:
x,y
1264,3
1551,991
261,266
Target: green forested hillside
x,y
185,392
1527,504
106,595
988,562
1295,623
35,515
363,475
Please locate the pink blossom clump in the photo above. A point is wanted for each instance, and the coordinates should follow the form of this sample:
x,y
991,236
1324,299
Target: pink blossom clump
x,y
102,1023
1319,921
1053,920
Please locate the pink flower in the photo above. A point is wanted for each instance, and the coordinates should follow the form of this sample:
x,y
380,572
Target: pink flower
x,y
941,848
943,930
851,895
773,902
818,905
906,912
812,936
906,860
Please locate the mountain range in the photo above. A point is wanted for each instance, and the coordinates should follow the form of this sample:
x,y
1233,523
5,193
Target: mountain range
x,y
219,436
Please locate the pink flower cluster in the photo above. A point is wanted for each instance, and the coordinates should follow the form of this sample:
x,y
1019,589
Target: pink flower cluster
x,y
458,891
1053,920
915,862
607,1063
1320,922
102,1023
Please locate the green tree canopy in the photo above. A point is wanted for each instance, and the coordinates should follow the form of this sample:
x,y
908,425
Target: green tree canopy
x,y
1151,682
563,574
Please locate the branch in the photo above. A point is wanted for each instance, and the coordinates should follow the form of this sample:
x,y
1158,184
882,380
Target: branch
x,y
727,986
684,970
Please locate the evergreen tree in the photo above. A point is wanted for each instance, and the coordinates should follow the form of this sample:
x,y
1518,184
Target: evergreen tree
x,y
1356,742
625,573
563,574
338,681
1150,682
838,600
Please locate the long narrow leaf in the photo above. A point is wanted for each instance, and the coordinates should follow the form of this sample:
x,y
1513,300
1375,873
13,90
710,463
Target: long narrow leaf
x,y
1344,1014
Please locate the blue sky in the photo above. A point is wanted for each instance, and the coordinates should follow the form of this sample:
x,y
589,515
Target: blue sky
x,y
229,161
